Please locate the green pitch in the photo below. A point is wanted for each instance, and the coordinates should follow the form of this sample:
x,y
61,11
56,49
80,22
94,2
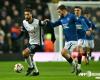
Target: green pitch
x,y
48,71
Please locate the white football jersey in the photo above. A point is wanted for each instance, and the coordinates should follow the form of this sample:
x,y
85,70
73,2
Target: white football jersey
x,y
33,31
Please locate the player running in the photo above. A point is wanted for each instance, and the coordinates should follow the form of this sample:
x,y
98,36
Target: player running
x,y
82,31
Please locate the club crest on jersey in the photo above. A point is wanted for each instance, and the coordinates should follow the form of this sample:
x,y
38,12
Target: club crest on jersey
x,y
68,19
31,30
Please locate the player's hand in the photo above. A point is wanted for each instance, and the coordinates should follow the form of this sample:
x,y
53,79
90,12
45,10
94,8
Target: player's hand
x,y
92,31
46,21
88,33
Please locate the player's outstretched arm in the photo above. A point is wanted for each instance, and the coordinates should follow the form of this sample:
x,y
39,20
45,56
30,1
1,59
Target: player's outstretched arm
x,y
44,22
52,24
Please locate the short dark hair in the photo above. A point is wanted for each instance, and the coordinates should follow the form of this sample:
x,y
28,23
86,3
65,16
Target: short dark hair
x,y
62,7
78,7
86,12
27,9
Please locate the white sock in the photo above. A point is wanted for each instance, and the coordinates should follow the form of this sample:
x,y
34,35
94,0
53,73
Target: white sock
x,y
34,64
79,67
74,62
35,67
29,61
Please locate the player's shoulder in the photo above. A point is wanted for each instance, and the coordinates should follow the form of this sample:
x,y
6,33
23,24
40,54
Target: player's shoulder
x,y
83,18
71,15
24,21
36,20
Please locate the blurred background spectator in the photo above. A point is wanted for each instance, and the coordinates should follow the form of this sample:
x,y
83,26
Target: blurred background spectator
x,y
2,43
48,43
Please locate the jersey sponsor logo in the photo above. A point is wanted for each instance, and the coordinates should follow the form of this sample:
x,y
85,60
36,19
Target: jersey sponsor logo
x,y
78,26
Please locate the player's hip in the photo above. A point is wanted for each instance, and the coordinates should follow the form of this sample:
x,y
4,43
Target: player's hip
x,y
70,45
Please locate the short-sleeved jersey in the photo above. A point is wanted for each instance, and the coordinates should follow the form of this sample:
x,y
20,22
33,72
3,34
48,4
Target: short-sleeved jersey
x,y
82,27
68,25
33,31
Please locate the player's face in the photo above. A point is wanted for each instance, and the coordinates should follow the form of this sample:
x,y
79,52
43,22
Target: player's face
x,y
60,12
27,15
77,11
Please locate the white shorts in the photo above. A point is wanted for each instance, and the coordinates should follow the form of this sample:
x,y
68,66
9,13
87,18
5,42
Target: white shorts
x,y
82,42
90,43
70,45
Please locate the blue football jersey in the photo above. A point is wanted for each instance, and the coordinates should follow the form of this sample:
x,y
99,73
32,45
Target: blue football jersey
x,y
82,27
91,25
68,25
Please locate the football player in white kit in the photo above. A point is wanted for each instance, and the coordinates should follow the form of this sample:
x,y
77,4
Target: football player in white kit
x,y
32,26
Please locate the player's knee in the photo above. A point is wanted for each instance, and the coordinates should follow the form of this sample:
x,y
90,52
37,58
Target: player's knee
x,y
63,52
80,50
25,53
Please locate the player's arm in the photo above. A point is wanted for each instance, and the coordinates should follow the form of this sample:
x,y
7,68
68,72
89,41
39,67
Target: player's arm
x,y
93,27
42,23
48,23
86,27
23,33
54,24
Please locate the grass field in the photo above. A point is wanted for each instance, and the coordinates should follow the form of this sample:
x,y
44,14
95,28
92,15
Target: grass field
x,y
48,71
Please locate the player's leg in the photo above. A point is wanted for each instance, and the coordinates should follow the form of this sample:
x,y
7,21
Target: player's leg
x,y
81,45
89,49
26,55
91,42
70,60
35,48
79,59
66,53
86,52
36,71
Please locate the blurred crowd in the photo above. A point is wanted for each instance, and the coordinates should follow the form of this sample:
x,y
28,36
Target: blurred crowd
x,y
11,16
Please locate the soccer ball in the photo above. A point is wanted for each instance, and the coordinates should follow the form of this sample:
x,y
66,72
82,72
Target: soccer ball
x,y
18,67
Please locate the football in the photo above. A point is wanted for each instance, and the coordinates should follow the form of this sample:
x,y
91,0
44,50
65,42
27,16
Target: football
x,y
18,67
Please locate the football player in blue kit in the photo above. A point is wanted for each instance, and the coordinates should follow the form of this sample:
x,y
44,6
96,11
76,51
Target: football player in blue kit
x,y
68,22
90,39
82,31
